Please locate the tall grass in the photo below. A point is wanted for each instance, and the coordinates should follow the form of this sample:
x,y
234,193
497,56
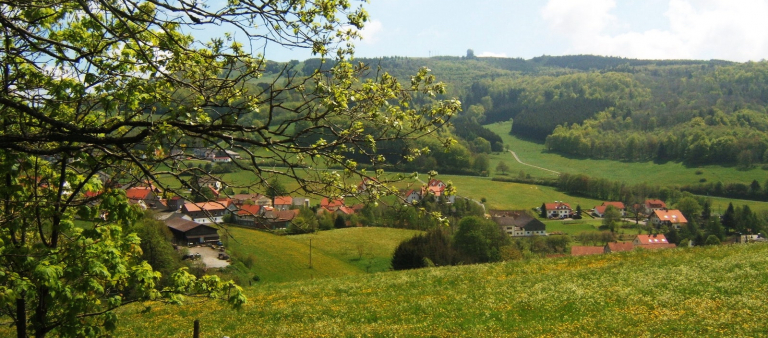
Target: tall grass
x,y
712,291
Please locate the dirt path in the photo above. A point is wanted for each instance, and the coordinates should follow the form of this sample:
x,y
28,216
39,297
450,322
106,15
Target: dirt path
x,y
530,165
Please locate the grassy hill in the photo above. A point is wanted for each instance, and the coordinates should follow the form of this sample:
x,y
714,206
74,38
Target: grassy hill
x,y
669,173
334,253
707,291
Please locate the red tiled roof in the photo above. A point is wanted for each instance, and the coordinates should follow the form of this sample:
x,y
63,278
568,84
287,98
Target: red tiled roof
x,y
623,246
346,210
248,210
209,206
138,193
617,205
671,216
658,246
651,239
557,206
335,203
655,204
586,250
283,200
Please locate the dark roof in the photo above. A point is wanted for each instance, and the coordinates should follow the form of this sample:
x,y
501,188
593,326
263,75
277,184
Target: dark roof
x,y
518,218
534,225
183,225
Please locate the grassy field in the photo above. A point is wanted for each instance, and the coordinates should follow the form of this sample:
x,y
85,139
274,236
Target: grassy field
x,y
705,291
508,195
369,249
335,253
573,227
280,259
630,172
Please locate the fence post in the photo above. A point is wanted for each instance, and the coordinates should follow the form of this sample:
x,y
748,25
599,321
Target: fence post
x,y
196,332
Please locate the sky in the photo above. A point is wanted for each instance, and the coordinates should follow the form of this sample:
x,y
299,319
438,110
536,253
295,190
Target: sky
x,y
735,30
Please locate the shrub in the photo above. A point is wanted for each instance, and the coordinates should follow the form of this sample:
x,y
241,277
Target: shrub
x,y
430,249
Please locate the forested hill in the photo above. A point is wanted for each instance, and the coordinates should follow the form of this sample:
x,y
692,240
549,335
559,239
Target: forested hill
x,y
607,107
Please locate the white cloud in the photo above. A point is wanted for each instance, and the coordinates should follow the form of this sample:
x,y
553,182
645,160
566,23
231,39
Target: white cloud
x,y
711,29
579,19
371,30
491,55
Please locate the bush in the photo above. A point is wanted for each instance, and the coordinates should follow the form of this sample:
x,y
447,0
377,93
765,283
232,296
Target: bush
x,y
699,172
430,249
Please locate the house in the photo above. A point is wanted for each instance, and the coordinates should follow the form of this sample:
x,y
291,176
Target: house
x,y
206,212
257,199
673,218
175,203
363,186
248,214
282,202
221,159
558,210
578,250
618,247
517,223
331,204
437,188
345,210
301,202
277,219
143,196
653,205
599,211
652,242
412,196
186,231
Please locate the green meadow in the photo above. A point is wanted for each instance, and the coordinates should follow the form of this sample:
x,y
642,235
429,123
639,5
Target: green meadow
x,y
669,173
692,292
508,195
335,253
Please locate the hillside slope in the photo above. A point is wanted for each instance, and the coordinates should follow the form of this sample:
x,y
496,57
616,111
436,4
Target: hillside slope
x,y
335,253
710,291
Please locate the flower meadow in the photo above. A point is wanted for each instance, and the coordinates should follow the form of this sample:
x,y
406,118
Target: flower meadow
x,y
709,291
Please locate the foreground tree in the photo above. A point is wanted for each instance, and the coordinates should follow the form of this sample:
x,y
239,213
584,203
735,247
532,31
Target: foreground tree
x,y
98,92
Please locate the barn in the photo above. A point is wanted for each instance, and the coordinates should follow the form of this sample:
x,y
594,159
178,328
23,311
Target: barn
x,y
186,231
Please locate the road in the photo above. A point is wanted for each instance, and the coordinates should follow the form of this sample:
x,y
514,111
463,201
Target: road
x,y
532,166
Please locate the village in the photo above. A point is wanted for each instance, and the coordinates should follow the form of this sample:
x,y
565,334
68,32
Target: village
x,y
196,225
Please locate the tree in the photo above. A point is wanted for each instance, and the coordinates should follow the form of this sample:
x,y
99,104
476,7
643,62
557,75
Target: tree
x,y
543,210
275,189
305,222
98,92
690,208
340,222
481,163
729,219
611,218
502,167
479,240
435,246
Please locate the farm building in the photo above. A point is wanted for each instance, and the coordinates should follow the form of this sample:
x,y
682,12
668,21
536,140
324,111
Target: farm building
x,y
186,231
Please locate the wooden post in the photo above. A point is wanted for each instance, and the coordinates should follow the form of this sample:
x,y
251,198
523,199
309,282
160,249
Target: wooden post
x,y
196,332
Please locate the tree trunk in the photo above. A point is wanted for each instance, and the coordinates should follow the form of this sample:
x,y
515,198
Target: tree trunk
x,y
21,318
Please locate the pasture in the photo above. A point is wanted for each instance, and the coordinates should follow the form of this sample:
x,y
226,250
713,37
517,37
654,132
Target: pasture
x,y
669,173
693,292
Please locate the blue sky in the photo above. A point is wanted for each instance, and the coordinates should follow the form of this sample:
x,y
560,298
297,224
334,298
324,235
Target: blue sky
x,y
735,30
